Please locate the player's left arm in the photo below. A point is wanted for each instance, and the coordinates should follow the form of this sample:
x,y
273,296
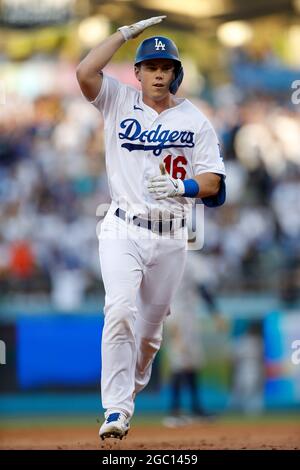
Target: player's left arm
x,y
205,185
209,184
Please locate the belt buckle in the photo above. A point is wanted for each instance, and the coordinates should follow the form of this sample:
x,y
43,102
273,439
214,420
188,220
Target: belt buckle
x,y
162,226
155,226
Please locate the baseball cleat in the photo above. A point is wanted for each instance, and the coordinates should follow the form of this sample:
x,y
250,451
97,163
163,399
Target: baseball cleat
x,y
116,425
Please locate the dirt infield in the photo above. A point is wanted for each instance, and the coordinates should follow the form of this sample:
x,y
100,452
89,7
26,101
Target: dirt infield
x,y
196,436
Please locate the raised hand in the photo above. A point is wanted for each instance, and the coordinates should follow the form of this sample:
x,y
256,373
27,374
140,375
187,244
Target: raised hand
x,y
135,29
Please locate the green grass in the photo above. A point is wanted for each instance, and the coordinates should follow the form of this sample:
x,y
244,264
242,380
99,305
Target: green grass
x,y
141,420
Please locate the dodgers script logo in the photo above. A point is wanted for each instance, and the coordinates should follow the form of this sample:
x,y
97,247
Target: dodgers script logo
x,y
158,138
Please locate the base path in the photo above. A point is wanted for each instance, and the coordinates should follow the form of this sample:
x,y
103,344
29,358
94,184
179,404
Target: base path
x,y
194,436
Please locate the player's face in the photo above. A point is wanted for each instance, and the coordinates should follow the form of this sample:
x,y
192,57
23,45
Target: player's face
x,y
155,77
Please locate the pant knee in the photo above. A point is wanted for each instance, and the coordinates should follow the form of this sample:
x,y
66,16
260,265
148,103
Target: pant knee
x,y
119,323
147,350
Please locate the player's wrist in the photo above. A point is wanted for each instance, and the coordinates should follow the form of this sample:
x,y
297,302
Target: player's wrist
x,y
180,187
191,188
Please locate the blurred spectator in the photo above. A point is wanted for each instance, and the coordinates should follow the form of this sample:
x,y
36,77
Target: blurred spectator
x,y
22,260
184,347
248,371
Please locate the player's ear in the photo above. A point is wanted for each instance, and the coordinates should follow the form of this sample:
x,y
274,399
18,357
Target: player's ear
x,y
137,72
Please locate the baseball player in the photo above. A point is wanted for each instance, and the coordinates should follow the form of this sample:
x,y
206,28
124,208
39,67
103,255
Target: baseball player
x,y
161,153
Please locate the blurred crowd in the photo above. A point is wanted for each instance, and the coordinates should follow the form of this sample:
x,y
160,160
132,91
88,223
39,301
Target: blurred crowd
x,y
255,237
52,178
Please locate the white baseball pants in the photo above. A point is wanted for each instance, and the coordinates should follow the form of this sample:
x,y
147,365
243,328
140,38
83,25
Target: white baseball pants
x,y
140,276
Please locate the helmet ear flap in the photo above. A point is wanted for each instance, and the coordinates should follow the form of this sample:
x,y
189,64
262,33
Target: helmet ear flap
x,y
175,84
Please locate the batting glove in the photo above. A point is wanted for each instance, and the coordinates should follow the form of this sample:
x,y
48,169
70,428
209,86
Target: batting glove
x,y
164,186
135,29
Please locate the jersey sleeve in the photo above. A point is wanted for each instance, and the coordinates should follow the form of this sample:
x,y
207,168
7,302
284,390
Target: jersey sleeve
x,y
207,154
208,159
109,95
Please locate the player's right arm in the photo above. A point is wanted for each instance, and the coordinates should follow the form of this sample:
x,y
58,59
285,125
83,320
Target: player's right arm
x,y
89,70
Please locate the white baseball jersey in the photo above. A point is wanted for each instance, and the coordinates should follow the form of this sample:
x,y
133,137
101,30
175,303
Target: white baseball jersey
x,y
138,139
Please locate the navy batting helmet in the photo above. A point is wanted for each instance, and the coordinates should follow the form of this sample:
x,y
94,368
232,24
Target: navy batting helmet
x,y
160,47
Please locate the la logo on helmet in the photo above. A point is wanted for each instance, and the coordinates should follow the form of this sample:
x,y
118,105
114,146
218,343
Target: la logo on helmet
x,y
159,44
